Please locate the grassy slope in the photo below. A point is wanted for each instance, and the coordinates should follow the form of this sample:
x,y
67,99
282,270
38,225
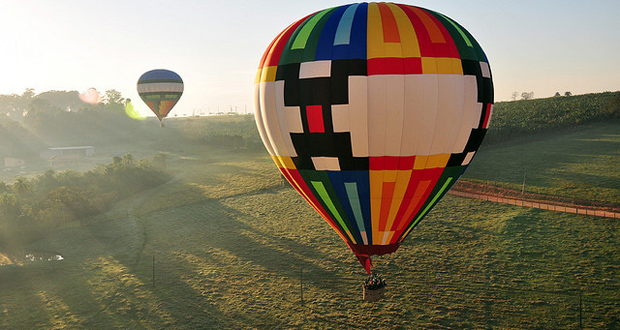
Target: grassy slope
x,y
581,163
230,241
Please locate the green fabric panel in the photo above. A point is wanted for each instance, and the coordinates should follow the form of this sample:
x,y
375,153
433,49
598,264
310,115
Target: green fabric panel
x,y
324,195
434,200
448,178
354,201
288,54
327,196
467,46
460,31
313,38
307,28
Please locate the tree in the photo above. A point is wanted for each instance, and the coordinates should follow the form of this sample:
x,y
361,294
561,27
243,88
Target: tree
x,y
113,96
568,94
8,202
28,93
557,94
21,185
514,96
128,160
527,96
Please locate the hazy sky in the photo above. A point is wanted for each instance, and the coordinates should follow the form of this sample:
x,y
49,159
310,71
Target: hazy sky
x,y
540,46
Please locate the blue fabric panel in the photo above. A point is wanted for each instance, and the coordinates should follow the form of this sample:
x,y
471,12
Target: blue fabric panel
x,y
356,48
326,40
362,180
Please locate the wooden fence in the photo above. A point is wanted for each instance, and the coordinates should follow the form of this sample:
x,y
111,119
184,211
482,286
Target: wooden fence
x,y
539,205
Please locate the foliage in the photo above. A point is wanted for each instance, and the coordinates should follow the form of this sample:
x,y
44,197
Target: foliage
x,y
235,131
518,119
31,207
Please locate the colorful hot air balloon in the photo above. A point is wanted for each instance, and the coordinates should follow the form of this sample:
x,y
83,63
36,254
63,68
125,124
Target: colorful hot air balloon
x,y
373,111
160,90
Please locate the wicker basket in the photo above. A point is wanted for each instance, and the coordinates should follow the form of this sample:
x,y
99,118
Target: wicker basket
x,y
372,295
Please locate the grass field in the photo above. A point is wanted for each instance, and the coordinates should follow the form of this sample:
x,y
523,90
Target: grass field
x,y
580,163
227,244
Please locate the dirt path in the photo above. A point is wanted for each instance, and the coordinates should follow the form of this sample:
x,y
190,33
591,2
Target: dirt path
x,y
496,194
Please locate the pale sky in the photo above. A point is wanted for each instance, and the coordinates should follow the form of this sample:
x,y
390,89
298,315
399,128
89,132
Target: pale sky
x,y
540,46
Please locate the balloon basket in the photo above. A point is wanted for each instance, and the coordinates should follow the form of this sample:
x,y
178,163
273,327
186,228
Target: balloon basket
x,y
373,288
372,295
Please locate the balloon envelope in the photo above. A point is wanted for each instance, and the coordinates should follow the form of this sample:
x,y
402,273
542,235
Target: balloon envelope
x,y
372,111
160,90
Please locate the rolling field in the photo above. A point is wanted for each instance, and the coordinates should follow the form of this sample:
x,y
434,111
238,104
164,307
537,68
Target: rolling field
x,y
227,244
581,163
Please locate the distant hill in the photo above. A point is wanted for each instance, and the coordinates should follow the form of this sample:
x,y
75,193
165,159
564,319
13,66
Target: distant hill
x,y
516,119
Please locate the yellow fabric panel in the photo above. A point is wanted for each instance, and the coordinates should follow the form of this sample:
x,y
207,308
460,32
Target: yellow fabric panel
x,y
441,65
377,180
420,162
376,195
447,65
402,182
259,74
432,161
393,211
437,161
429,65
392,50
268,73
385,236
400,188
276,159
375,46
409,40
284,162
389,175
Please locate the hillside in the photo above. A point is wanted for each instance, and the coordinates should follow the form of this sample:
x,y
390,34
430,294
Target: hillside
x,y
226,243
521,119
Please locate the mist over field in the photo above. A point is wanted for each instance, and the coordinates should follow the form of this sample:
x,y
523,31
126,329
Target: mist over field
x,y
112,222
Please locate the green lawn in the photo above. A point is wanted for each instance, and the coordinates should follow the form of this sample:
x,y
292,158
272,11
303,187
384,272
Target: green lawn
x,y
581,163
231,243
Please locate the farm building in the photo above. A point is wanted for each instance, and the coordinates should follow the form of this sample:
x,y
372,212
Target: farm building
x,y
84,151
65,160
14,162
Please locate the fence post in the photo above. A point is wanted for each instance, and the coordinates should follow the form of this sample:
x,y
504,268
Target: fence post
x,y
301,286
580,311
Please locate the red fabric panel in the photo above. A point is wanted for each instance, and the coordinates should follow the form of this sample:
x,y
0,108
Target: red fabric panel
x,y
391,163
428,48
315,118
394,65
390,28
386,202
273,53
487,116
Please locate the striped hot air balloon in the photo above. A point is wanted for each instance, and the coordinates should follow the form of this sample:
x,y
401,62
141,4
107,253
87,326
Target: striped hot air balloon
x,y
160,90
373,111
